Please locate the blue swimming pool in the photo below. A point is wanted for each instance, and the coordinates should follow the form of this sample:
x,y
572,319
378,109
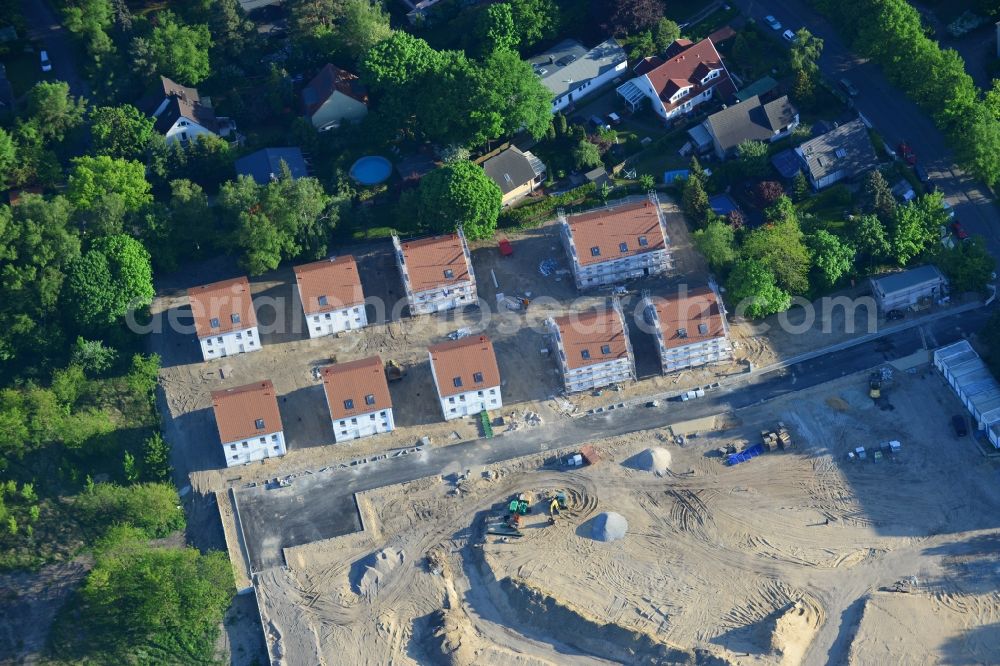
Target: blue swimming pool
x,y
371,170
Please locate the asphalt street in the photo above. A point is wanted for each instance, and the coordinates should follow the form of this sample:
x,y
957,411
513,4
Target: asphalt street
x,y
892,114
321,506
44,24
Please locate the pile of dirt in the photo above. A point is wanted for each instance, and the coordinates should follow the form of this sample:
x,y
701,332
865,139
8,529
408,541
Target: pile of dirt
x,y
655,459
795,630
609,526
367,574
454,641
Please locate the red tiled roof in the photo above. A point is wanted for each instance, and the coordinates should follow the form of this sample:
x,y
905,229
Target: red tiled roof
x,y
722,34
427,259
355,381
238,411
460,360
686,65
608,229
222,307
696,312
332,79
330,284
592,331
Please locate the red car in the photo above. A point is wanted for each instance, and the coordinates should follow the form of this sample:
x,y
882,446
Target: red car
x,y
907,153
956,226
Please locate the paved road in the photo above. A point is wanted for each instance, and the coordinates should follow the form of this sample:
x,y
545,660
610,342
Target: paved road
x,y
321,506
44,24
894,116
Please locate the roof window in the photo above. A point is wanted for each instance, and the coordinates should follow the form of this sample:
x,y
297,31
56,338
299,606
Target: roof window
x,y
322,300
348,404
703,329
259,423
370,399
595,251
682,332
605,349
585,353
623,247
457,381
214,322
477,377
235,318
448,273
643,241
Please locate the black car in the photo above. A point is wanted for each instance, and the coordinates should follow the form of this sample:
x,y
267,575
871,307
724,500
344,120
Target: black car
x,y
959,425
922,174
894,315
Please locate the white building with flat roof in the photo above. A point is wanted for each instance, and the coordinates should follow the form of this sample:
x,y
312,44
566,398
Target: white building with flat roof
x,y
974,385
902,289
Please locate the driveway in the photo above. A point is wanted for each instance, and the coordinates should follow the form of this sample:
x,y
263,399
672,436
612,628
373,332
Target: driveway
x,y
44,25
894,116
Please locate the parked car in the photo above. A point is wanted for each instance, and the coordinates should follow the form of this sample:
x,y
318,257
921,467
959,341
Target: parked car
x,y
959,425
614,118
789,35
948,209
772,22
922,174
849,87
961,233
907,153
46,65
895,315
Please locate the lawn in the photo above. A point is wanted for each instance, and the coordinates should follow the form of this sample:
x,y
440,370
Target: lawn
x,y
827,209
661,155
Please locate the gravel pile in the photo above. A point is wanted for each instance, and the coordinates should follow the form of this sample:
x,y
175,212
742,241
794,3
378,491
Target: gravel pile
x,y
656,459
609,526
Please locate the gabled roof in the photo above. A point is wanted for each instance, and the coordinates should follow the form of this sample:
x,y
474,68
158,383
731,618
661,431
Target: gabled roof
x,y
428,259
356,387
586,335
846,148
458,363
329,284
687,64
689,318
222,307
568,65
329,80
512,168
265,164
240,410
750,120
181,102
613,227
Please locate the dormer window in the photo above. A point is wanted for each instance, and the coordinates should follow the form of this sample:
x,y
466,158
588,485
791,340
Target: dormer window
x,y
595,251
348,404
235,318
259,423
714,74
214,322
448,273
585,354
323,301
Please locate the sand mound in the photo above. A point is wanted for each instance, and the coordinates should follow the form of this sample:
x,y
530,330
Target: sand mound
x,y
795,630
656,459
368,573
609,526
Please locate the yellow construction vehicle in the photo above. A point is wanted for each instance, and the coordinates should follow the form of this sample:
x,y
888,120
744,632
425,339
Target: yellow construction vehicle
x,y
875,386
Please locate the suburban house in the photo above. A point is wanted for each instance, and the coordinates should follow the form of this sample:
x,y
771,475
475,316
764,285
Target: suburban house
x,y
593,349
974,385
180,114
224,318
516,173
265,165
418,8
333,97
466,376
357,396
624,240
571,72
249,423
688,75
331,296
904,289
751,120
843,152
690,328
437,272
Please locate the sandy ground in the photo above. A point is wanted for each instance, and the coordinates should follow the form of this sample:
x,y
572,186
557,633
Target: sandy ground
x,y
779,560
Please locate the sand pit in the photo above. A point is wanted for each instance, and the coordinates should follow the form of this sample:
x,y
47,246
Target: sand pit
x,y
368,573
655,459
609,526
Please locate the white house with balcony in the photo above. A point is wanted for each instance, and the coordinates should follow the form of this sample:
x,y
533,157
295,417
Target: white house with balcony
x,y
331,296
624,240
593,349
249,423
466,376
357,395
690,328
437,272
224,318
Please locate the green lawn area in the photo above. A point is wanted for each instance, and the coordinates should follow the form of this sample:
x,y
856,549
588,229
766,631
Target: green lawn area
x,y
827,209
661,155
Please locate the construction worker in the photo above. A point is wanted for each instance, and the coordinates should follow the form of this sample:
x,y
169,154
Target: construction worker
x,y
554,507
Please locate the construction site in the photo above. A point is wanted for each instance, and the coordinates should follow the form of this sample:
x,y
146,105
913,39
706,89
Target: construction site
x,y
758,536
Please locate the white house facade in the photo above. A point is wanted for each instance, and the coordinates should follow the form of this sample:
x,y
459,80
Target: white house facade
x,y
466,376
357,395
224,318
331,296
249,423
437,272
592,349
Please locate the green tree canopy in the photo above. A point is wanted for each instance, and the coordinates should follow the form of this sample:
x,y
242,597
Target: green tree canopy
x,y
916,226
806,50
694,200
8,157
120,131
179,51
968,266
52,111
831,257
753,158
459,194
717,243
878,196
534,20
363,25
754,290
870,238
781,248
586,155
112,277
510,93
94,179
495,28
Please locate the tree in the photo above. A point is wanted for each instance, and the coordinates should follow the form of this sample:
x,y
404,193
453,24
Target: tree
x,y
309,15
8,157
129,469
979,145
586,155
534,20
495,29
804,88
209,161
755,291
399,61
768,192
459,194
111,278
716,242
665,34
781,248
629,17
696,170
968,265
511,96
363,25
120,131
52,111
870,239
94,179
179,51
647,181
694,200
93,356
831,257
753,158
878,196
806,50
800,186
917,225
156,459
735,219
232,32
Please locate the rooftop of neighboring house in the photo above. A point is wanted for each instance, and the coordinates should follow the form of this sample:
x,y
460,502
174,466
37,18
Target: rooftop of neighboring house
x,y
332,79
246,411
751,120
568,64
435,262
265,164
616,231
847,147
685,65
222,307
329,284
591,337
466,364
356,387
181,102
512,168
689,318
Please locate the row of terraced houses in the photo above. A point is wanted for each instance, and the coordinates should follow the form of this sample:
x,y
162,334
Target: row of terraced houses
x,y
606,246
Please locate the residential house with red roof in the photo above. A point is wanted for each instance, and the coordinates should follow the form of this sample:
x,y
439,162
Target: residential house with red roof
x,y
690,328
224,318
437,272
249,423
593,348
331,296
624,240
357,395
333,97
466,376
688,75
